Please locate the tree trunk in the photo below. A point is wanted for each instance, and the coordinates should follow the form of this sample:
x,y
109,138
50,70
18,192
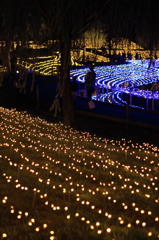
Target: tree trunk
x,y
67,101
8,62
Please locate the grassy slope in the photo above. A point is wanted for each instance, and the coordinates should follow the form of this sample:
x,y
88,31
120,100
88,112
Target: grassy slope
x,y
58,176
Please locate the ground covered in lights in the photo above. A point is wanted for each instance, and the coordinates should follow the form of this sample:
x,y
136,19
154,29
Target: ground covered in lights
x,y
58,183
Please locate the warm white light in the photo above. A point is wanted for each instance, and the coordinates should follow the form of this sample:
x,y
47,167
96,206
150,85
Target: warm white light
x,y
4,235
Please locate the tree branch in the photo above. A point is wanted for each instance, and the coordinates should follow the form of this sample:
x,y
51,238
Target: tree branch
x,y
40,9
91,21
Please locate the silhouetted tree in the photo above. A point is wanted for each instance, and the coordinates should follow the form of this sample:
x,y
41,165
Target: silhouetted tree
x,y
67,21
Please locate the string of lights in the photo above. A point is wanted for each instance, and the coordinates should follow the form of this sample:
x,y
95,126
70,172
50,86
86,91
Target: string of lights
x,y
125,78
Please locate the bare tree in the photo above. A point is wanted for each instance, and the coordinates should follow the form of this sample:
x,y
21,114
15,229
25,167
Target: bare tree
x,y
67,21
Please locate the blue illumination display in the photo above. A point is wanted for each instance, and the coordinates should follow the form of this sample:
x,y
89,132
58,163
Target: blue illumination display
x,y
113,81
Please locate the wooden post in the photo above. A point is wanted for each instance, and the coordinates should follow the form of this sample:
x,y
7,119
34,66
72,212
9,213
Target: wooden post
x,y
152,104
37,96
97,92
130,99
147,104
78,89
127,113
85,91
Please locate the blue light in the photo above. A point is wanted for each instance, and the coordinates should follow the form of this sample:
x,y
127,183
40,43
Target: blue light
x,y
125,78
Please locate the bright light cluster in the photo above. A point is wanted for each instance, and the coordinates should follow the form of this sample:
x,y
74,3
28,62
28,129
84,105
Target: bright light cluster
x,y
57,180
43,65
112,81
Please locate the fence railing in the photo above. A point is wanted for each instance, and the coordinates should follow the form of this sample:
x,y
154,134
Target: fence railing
x,y
142,99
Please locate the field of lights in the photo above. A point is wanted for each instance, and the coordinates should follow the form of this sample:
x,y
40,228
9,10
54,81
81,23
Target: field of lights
x,y
59,183
112,81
